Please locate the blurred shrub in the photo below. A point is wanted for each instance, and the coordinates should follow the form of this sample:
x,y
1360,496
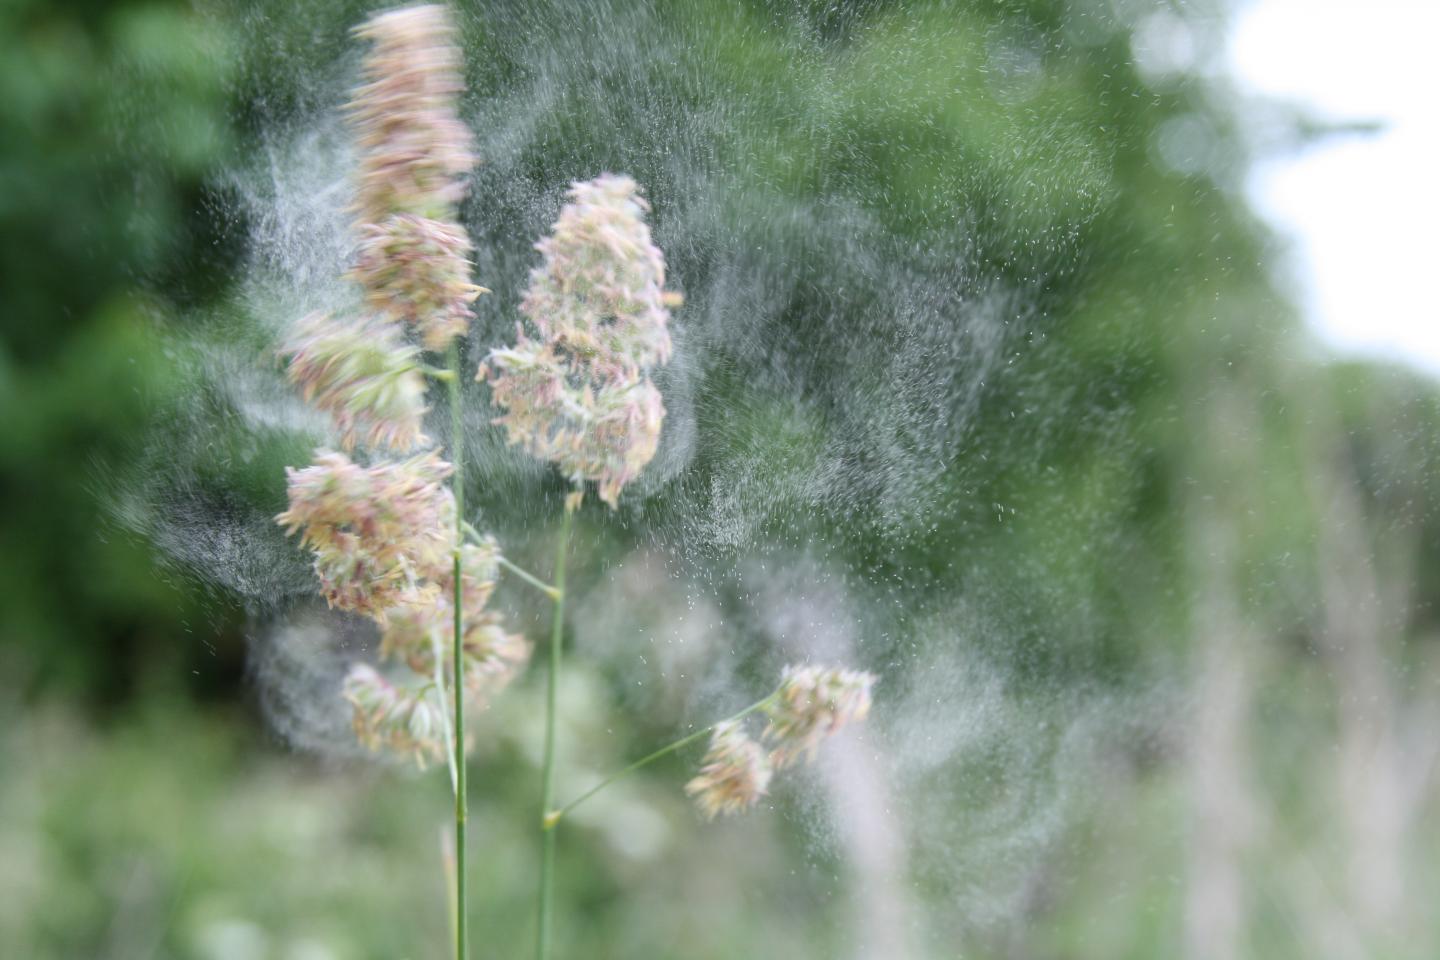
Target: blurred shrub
x,y
111,116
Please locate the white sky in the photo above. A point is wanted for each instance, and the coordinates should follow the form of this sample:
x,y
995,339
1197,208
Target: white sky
x,y
1362,210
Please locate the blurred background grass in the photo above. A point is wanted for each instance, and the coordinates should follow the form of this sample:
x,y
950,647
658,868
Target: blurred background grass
x,y
1166,486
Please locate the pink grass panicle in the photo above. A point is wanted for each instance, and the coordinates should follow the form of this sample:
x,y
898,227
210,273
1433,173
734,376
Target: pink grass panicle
x,y
360,373
414,150
384,536
606,433
493,656
377,532
580,396
600,291
407,722
413,261
734,775
813,703
417,270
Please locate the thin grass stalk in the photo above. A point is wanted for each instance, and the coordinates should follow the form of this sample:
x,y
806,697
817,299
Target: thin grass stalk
x,y
547,836
552,818
447,862
457,440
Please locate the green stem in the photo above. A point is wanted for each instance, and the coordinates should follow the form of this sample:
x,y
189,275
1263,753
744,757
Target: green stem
x,y
552,592
457,453
447,859
547,836
519,571
553,816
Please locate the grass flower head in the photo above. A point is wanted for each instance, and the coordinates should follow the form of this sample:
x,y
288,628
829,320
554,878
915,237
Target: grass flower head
x,y
581,396
600,292
413,262
386,716
734,775
417,270
376,531
814,703
363,376
413,147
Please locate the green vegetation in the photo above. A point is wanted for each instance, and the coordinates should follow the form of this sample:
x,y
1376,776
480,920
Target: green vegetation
x,y
967,373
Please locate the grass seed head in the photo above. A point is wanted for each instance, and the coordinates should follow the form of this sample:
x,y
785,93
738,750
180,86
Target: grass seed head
x,y
734,775
814,703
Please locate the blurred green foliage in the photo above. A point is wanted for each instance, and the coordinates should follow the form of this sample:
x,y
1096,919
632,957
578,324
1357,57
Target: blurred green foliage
x,y
1122,427
111,116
